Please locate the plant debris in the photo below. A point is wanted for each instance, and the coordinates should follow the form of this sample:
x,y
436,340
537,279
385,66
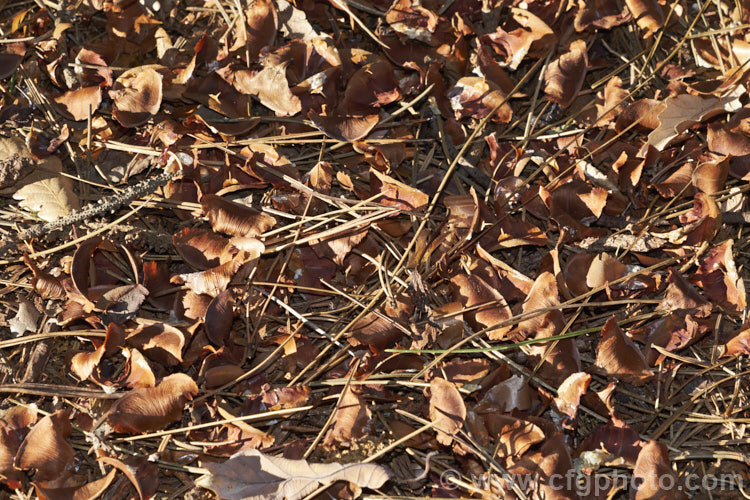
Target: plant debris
x,y
313,249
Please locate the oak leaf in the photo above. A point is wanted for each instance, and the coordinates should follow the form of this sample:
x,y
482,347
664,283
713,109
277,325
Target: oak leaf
x,y
47,192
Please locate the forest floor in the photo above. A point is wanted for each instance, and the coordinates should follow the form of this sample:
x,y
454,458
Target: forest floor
x,y
330,249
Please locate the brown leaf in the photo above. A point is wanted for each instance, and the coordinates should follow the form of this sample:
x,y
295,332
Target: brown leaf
x,y
218,95
44,283
680,295
569,393
351,420
717,276
280,398
412,20
270,87
89,491
14,426
156,280
647,13
610,102
643,112
552,461
260,29
565,75
211,281
252,475
543,295
506,396
234,218
475,97
739,343
562,359
653,475
47,449
396,194
78,104
682,111
509,48
160,342
727,142
219,317
9,64
619,357
345,127
601,14
83,364
375,331
703,221
122,303
142,474
137,96
711,176
153,408
514,436
372,86
200,248
447,409
472,291
617,438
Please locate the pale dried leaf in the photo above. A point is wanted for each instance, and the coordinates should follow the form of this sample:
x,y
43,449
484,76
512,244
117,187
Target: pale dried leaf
x,y
26,319
47,193
251,475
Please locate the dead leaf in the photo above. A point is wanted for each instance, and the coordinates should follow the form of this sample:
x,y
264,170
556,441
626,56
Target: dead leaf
x,y
648,14
347,127
251,475
46,448
565,75
46,192
447,409
717,276
16,161
9,64
152,408
351,420
619,357
122,303
271,87
137,96
79,104
569,393
474,97
234,218
654,476
89,491
682,111
26,318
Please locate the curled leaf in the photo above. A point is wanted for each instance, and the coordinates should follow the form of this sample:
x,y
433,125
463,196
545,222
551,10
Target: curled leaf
x,y
565,75
475,97
234,218
152,408
137,96
46,448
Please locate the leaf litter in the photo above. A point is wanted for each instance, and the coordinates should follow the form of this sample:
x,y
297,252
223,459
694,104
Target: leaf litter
x,y
307,249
